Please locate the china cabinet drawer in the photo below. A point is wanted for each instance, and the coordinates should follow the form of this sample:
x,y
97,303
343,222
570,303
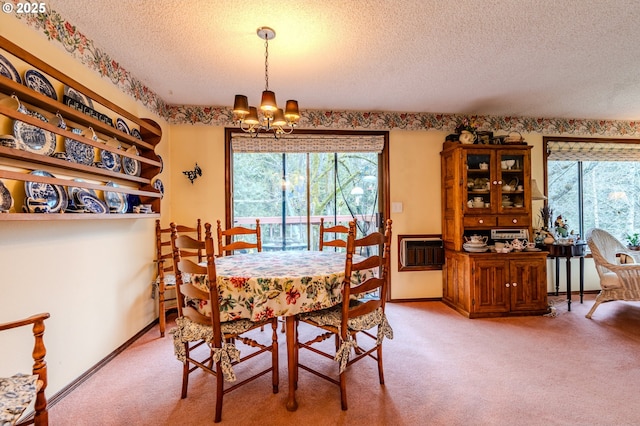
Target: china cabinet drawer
x,y
507,220
488,221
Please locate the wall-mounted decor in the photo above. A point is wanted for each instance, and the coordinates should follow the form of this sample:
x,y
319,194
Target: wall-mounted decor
x,y
193,174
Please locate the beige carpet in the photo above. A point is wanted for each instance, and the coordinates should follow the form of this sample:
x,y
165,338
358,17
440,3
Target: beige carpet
x,y
440,369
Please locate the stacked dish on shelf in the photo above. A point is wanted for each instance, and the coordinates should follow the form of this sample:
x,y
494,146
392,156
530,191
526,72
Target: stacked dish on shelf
x,y
475,247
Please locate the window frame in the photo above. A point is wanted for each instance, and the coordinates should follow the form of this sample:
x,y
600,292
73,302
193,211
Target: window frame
x,y
546,152
384,181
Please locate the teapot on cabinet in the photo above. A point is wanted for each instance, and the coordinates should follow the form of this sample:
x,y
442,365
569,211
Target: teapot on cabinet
x,y
476,239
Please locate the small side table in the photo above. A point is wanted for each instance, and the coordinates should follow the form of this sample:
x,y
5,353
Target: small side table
x,y
568,251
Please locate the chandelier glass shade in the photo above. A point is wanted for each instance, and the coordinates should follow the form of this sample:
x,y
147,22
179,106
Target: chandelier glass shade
x,y
269,118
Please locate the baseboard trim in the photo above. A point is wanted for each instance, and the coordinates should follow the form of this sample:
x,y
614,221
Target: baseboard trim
x,y
58,396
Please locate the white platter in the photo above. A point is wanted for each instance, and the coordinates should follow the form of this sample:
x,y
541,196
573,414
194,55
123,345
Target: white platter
x,y
55,195
476,249
116,201
34,139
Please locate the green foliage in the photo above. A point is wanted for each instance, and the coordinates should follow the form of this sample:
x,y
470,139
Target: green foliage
x,y
633,239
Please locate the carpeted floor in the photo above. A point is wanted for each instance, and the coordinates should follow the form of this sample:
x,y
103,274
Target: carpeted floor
x,y
440,369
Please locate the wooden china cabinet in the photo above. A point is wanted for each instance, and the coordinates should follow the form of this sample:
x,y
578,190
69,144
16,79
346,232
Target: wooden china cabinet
x,y
487,187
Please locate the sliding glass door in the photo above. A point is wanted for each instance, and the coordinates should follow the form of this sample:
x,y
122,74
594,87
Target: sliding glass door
x,y
290,191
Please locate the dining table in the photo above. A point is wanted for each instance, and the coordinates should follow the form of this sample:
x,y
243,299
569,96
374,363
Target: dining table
x,y
263,285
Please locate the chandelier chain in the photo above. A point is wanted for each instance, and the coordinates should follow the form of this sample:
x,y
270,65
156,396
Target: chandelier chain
x,y
266,63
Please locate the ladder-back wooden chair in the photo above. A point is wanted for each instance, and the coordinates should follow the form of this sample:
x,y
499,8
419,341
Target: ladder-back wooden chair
x,y
331,234
358,316
227,244
218,354
165,277
18,391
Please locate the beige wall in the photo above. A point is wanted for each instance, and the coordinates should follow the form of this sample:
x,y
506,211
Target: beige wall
x,y
94,276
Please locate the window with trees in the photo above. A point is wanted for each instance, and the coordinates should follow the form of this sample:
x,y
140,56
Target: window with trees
x,y
290,183
594,183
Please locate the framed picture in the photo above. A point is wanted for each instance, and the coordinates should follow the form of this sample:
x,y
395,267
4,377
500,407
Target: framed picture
x,y
484,137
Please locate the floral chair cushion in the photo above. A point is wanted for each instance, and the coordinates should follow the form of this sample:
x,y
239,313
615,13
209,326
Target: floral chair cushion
x,y
333,317
16,393
189,331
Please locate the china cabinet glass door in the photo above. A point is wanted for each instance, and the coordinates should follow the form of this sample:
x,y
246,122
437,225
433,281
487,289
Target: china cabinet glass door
x,y
511,179
478,181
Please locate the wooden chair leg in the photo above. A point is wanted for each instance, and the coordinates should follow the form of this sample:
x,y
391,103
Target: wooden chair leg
x,y
343,390
219,392
380,370
161,312
275,374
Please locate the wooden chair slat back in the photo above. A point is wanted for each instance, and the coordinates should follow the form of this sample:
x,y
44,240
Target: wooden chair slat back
x,y
186,291
226,244
371,284
330,232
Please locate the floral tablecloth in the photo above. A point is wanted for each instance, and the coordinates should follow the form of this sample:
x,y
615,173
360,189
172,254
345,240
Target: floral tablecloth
x,y
264,285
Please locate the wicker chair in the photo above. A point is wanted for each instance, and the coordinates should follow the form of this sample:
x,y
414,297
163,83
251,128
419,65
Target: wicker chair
x,y
616,266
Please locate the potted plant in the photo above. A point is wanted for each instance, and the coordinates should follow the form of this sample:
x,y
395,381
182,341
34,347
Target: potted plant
x,y
633,241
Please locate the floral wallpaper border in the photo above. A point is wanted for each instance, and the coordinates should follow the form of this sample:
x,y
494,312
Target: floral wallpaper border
x,y
79,46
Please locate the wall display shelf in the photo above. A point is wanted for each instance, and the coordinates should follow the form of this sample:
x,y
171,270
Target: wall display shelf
x,y
70,126
485,188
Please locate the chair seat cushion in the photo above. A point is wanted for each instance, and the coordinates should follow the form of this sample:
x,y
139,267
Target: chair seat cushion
x,y
610,281
16,393
190,331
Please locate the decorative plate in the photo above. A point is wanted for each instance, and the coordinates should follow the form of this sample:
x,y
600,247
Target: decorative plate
x,y
33,139
73,193
74,94
91,202
111,160
122,126
79,152
131,166
38,82
161,164
8,70
136,134
55,195
116,201
157,184
6,201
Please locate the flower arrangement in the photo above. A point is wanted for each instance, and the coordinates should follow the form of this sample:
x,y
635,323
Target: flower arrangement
x,y
467,124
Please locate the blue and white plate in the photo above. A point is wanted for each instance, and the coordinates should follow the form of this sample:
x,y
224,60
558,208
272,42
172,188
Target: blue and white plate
x,y
8,70
136,134
91,202
6,201
157,184
55,195
111,160
35,80
122,126
116,201
131,166
77,96
73,193
78,152
34,139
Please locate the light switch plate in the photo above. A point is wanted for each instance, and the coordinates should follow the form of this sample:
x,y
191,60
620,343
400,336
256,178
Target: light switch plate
x,y
396,207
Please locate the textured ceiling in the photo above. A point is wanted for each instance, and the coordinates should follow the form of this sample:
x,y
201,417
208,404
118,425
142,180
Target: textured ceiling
x,y
533,58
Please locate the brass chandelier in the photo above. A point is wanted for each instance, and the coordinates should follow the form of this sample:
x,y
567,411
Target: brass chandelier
x,y
272,118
